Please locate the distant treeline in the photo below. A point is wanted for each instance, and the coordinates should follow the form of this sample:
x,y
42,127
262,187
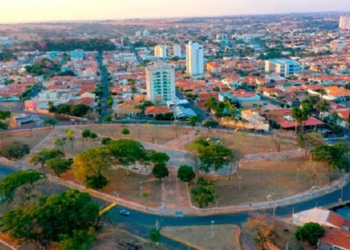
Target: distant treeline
x,y
6,55
71,44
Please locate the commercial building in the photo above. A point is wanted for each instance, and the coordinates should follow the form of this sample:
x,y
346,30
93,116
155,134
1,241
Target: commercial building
x,y
160,51
282,67
344,22
177,50
160,82
195,59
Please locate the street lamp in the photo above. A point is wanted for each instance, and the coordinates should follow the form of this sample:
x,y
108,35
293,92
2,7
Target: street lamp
x,y
163,206
312,189
195,182
267,199
212,228
141,187
216,204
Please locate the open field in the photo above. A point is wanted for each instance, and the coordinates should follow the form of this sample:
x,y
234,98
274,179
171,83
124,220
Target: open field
x,y
248,143
226,237
128,186
30,137
147,133
279,178
112,237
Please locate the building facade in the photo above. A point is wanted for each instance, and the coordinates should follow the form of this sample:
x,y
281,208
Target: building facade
x,y
177,50
160,51
160,82
344,22
195,59
282,67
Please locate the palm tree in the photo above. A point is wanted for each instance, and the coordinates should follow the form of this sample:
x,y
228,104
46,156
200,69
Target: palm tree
x,y
321,107
70,136
300,115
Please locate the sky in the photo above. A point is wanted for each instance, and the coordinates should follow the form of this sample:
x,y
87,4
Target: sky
x,y
53,10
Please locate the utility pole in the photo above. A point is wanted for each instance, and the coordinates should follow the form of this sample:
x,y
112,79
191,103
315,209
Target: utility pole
x,y
287,245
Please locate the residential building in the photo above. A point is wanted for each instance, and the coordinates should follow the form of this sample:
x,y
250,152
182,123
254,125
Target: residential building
x,y
195,59
214,67
344,22
145,33
160,51
160,82
177,50
77,54
282,67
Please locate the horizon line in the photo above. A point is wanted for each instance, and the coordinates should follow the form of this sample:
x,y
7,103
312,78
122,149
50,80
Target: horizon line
x,y
173,17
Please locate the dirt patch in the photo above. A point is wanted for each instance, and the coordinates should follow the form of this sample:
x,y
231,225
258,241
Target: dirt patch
x,y
147,133
224,236
281,178
247,143
30,137
112,237
128,186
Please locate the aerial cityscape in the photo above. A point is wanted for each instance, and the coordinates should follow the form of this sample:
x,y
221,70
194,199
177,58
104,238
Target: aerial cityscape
x,y
177,125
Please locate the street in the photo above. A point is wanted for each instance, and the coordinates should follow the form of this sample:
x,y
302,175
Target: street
x,y
104,82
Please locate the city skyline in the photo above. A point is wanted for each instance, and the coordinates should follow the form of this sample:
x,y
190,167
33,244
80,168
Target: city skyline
x,y
40,10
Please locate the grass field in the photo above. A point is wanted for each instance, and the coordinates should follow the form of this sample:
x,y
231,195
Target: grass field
x,y
279,178
147,133
247,143
225,237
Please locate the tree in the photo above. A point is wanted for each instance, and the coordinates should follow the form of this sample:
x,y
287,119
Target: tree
x,y
159,157
58,165
45,154
85,134
309,140
155,235
185,173
321,107
80,240
193,121
92,163
59,143
300,115
53,218
203,193
127,152
160,170
277,141
93,136
50,122
210,124
14,150
125,131
333,120
347,85
70,136
11,182
310,232
107,118
4,114
106,140
214,157
210,103
79,110
261,225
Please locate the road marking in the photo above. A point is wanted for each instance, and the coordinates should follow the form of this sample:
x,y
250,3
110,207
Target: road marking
x,y
107,208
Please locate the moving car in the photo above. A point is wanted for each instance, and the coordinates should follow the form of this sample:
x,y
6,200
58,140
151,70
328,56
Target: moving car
x,y
124,212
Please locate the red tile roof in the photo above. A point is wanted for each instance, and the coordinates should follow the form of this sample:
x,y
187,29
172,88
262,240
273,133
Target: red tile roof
x,y
336,237
153,110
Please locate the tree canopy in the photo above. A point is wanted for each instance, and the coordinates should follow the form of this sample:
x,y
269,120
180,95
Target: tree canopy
x,y
310,232
11,182
159,157
45,154
203,193
14,150
185,173
160,170
4,114
214,157
54,218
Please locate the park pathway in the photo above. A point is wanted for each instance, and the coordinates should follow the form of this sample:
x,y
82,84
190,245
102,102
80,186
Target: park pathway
x,y
175,195
180,142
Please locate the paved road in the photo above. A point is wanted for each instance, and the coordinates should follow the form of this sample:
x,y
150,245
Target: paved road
x,y
104,81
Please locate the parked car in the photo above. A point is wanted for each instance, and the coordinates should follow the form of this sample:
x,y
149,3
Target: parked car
x,y
124,212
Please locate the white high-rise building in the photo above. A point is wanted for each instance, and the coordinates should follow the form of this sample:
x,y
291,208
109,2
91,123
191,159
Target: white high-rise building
x,y
160,82
344,22
177,50
195,59
160,51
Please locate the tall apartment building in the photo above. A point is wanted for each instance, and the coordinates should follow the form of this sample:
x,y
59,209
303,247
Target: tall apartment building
x,y
195,59
160,51
282,67
177,50
160,82
344,22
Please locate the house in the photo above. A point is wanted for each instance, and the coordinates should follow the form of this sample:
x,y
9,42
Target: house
x,y
213,67
181,112
240,96
336,93
334,239
152,111
321,216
